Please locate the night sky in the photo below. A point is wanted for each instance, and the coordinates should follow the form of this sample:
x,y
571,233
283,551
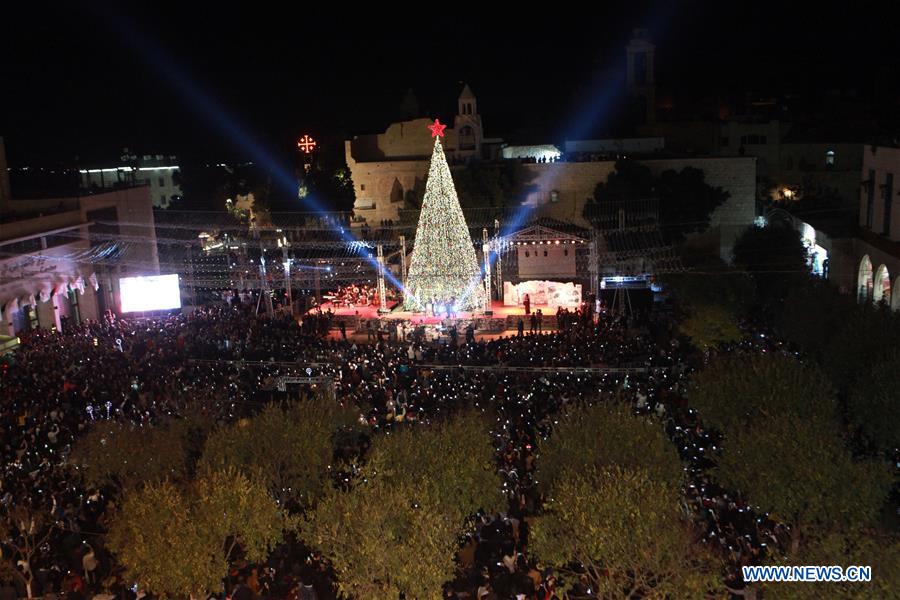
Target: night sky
x,y
200,82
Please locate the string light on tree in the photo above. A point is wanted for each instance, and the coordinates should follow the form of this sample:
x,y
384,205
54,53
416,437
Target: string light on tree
x,y
444,266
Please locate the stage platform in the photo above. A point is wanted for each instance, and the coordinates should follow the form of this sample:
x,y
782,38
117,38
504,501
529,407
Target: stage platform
x,y
503,318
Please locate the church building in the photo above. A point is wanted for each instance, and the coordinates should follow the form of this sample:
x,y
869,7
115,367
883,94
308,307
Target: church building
x,y
390,168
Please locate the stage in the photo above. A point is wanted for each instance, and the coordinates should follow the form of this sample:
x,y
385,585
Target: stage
x,y
503,317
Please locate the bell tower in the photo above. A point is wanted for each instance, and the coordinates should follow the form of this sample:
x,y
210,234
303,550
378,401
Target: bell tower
x,y
467,125
641,85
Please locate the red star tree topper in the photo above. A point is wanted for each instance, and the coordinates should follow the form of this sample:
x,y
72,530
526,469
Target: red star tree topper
x,y
437,129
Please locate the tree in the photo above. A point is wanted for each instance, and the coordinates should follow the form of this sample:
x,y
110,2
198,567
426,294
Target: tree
x,y
737,390
454,463
491,184
630,181
384,539
854,547
180,540
776,259
335,186
624,531
290,450
125,455
872,405
711,282
443,265
711,325
808,315
686,202
861,336
24,529
799,469
603,435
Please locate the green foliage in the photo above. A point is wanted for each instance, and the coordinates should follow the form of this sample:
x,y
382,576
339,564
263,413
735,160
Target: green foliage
x,y
737,390
776,258
126,455
384,539
290,450
799,469
397,530
711,283
625,527
808,315
24,530
604,435
335,186
686,202
863,334
873,404
490,184
630,181
711,325
454,463
179,541
854,547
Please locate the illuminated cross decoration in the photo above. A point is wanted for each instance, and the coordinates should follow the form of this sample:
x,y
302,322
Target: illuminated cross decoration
x,y
437,129
306,144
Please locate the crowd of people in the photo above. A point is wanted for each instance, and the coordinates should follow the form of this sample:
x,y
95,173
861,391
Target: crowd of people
x,y
226,360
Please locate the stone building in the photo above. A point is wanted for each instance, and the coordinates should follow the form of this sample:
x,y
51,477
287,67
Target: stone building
x,y
4,175
157,171
876,249
389,168
61,258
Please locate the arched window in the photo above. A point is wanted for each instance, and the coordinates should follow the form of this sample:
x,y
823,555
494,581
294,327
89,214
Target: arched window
x,y
895,298
864,281
882,286
466,138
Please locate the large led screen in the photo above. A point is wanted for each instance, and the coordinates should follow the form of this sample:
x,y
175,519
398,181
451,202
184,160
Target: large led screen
x,y
145,294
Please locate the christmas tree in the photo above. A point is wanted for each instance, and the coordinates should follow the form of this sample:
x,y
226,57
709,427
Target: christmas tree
x,y
444,266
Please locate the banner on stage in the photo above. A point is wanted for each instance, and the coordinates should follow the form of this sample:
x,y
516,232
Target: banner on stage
x,y
542,293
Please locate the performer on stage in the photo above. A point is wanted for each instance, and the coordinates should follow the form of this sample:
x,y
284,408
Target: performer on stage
x,y
527,303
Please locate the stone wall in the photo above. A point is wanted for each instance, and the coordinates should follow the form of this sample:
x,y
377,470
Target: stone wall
x,y
569,184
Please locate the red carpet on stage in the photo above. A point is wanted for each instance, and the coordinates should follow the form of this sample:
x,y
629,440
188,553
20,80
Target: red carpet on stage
x,y
500,312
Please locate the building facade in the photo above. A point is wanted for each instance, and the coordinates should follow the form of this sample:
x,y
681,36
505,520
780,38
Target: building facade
x,y
876,250
389,168
158,172
4,175
61,258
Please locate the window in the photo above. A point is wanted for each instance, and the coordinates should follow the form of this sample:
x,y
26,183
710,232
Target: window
x,y
23,247
527,254
73,303
162,181
466,138
888,202
870,198
32,317
162,200
565,252
640,68
362,187
62,238
554,196
753,139
829,158
545,253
